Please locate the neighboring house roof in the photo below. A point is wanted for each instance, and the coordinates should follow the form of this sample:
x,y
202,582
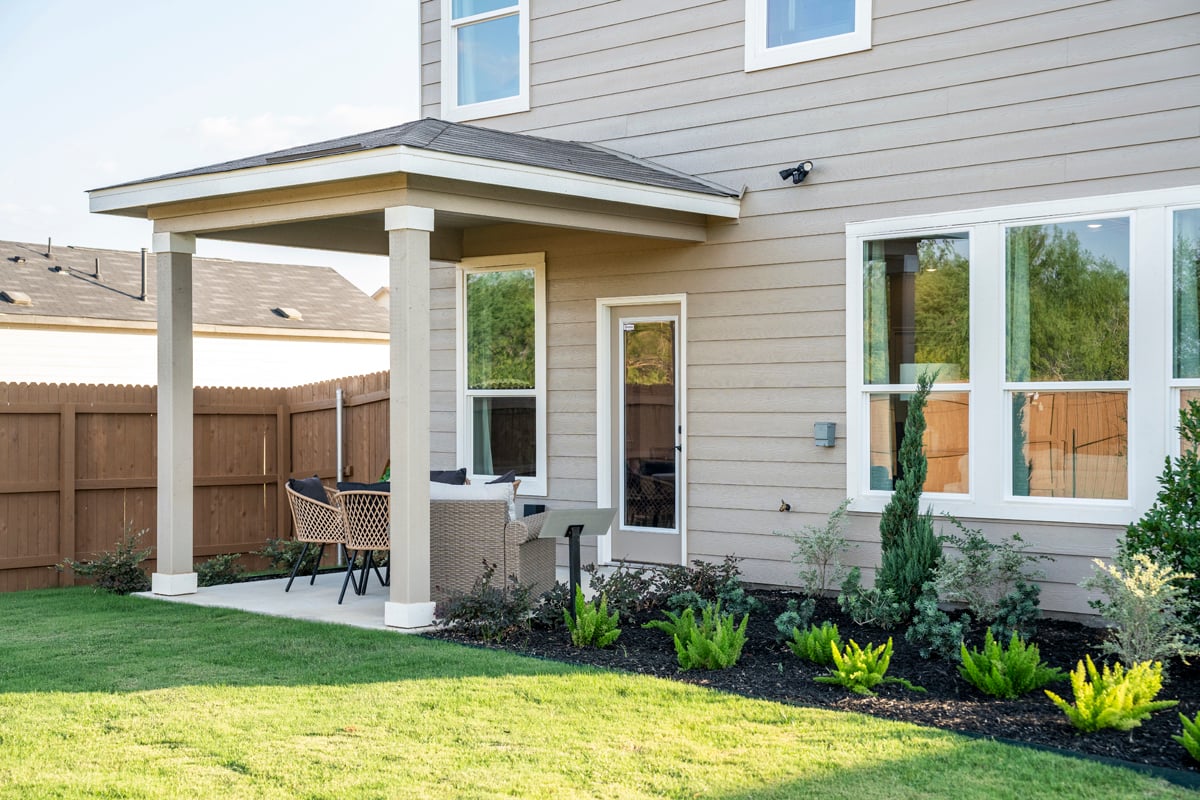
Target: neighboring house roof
x,y
235,294
470,140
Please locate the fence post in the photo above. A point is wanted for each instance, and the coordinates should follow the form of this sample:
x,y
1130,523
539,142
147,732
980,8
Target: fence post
x,y
283,466
66,490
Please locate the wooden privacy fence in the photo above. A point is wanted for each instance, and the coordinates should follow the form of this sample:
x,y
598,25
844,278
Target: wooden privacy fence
x,y
78,465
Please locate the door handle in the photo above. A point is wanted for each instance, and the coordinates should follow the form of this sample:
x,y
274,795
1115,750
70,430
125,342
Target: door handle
x,y
679,447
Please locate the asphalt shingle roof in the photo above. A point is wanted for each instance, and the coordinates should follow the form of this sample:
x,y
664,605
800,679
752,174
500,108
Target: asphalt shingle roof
x,y
470,140
232,293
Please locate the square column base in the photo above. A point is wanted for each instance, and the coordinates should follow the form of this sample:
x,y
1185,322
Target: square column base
x,y
171,585
408,615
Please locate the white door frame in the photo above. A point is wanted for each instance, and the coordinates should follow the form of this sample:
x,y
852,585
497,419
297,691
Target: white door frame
x,y
605,308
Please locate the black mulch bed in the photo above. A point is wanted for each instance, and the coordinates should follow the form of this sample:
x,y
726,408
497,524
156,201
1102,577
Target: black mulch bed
x,y
768,670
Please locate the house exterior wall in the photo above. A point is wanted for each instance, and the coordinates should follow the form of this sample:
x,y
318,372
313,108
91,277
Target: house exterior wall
x,y
956,106
130,357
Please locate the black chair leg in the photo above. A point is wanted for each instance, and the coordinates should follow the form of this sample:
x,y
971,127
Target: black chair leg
x,y
350,556
296,567
375,565
317,564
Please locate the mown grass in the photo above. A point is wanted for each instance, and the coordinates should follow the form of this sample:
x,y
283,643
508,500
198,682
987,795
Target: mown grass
x,y
105,696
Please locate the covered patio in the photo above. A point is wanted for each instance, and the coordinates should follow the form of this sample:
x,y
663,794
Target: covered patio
x,y
420,192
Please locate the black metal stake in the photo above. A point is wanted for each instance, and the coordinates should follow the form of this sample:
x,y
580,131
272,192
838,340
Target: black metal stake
x,y
573,535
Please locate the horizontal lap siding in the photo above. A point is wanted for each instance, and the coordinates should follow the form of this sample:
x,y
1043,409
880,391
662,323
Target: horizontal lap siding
x,y
957,105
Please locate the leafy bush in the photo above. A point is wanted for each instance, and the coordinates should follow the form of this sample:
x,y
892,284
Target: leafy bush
x,y
797,615
870,606
282,555
219,570
630,590
548,611
1006,673
910,547
713,644
1017,610
816,644
488,612
1169,532
862,669
1190,738
819,548
1148,607
991,578
118,571
592,625
705,578
1115,698
932,631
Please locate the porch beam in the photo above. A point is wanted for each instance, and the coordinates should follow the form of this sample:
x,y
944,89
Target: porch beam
x,y
409,228
173,574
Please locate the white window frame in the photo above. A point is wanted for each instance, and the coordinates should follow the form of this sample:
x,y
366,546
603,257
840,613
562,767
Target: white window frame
x,y
451,109
1153,395
535,486
759,56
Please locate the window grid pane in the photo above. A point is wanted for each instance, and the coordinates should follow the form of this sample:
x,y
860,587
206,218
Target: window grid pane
x,y
489,55
946,440
1070,444
792,21
469,8
1186,270
501,330
1067,301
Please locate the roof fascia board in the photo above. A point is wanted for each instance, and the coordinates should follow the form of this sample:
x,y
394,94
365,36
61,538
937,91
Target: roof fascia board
x,y
46,322
405,159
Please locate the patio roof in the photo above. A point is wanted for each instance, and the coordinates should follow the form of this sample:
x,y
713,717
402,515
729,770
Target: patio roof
x,y
470,176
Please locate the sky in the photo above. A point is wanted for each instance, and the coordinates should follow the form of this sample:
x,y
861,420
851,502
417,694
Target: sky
x,y
100,92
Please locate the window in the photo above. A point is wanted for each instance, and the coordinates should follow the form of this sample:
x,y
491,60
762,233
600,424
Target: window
x,y
485,58
782,32
1185,301
502,364
916,319
1048,326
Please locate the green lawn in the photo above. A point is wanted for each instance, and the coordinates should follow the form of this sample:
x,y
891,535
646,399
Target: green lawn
x,y
126,697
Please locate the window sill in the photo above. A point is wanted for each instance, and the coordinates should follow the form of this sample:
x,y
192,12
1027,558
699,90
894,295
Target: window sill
x,y
1026,510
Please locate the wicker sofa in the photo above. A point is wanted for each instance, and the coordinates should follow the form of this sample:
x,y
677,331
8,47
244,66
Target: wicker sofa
x,y
465,533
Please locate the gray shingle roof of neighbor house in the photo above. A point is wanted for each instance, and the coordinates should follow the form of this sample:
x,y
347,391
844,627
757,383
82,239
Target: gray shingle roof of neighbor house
x,y
470,140
226,293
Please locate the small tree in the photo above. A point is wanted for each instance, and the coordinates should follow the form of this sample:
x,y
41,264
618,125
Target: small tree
x,y
819,550
910,547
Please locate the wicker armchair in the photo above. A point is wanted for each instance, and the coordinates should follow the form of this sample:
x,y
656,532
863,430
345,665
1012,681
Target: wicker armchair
x,y
316,523
367,518
465,533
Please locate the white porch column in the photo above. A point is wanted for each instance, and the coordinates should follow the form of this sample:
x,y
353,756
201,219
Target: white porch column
x,y
174,574
408,229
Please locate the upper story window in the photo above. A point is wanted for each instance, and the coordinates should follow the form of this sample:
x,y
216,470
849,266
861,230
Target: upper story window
x,y
502,369
485,58
782,32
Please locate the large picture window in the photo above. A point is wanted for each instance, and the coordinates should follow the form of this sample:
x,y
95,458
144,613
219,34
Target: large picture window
x,y
1048,326
485,58
502,373
782,32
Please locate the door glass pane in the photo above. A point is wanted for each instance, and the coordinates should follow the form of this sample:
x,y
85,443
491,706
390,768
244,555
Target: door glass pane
x,y
1186,258
916,309
946,440
489,56
1070,444
649,423
1067,301
791,21
505,430
500,330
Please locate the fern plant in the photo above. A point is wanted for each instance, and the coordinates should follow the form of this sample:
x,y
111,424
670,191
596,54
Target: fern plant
x,y
861,669
816,644
592,625
1115,698
1190,738
1006,672
713,644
